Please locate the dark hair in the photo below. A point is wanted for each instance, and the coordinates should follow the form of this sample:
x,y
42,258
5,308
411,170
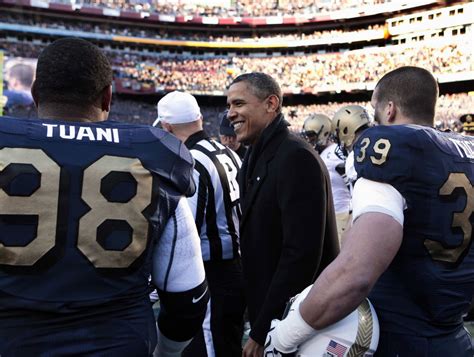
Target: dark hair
x,y
262,85
23,72
413,89
71,71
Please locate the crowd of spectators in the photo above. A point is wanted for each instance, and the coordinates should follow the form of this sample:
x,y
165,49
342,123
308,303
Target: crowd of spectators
x,y
236,8
449,108
311,73
210,74
195,75
21,49
113,28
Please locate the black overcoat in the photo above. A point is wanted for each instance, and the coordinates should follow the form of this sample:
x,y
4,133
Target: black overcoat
x,y
288,228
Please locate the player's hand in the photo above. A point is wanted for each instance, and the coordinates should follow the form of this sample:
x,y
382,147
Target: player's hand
x,y
270,350
252,349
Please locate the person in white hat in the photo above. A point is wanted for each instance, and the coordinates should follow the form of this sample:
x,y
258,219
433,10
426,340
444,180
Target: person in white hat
x,y
177,108
216,210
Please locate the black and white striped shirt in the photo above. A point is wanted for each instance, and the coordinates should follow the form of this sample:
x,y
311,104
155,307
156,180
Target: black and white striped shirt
x,y
216,203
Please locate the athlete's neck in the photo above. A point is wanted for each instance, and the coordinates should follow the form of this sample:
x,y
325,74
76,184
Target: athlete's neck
x,y
72,113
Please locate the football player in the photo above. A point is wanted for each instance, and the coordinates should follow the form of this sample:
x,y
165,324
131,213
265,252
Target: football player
x,y
88,209
317,130
348,123
410,246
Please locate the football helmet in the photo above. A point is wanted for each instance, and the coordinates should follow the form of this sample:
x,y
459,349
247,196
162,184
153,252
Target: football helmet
x,y
346,122
316,129
355,335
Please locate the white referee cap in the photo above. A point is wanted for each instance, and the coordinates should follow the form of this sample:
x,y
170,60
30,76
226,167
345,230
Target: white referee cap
x,y
177,108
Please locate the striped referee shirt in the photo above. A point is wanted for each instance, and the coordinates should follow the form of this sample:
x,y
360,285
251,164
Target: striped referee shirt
x,y
216,204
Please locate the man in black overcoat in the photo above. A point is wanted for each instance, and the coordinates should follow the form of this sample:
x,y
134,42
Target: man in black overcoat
x,y
288,228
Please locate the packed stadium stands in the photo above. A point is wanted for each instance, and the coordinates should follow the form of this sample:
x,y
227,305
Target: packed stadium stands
x,y
237,8
449,108
342,35
321,57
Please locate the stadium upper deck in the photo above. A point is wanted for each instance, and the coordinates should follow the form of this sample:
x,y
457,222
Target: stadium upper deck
x,y
44,17
151,58
246,13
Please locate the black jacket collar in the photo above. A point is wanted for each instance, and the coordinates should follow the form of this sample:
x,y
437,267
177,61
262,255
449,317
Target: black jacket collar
x,y
254,152
254,168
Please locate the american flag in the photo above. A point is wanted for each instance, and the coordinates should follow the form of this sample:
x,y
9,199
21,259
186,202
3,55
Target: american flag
x,y
336,349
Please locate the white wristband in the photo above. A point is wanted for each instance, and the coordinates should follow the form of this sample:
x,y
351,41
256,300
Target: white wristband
x,y
292,332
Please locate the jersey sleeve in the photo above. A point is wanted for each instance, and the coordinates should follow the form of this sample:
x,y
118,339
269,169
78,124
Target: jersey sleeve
x,y
178,274
177,259
175,164
386,154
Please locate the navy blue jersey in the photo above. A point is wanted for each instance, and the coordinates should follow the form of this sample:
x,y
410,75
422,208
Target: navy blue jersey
x,y
81,206
430,283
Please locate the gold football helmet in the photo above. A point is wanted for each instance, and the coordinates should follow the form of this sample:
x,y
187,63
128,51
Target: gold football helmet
x,y
316,129
346,122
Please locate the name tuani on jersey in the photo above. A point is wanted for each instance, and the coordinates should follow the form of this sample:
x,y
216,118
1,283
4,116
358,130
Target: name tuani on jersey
x,y
81,133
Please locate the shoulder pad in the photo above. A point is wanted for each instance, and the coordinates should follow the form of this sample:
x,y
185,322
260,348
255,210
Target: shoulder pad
x,y
386,153
174,163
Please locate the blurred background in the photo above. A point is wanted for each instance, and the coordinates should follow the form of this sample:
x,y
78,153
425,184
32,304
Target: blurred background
x,y
324,54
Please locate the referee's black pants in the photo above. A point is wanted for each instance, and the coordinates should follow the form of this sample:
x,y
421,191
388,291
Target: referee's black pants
x,y
221,333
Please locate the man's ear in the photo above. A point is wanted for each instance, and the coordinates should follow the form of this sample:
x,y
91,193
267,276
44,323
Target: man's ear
x,y
34,93
167,127
106,99
391,112
273,102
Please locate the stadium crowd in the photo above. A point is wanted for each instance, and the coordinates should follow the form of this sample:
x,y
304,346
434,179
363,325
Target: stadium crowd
x,y
449,108
300,74
111,28
239,8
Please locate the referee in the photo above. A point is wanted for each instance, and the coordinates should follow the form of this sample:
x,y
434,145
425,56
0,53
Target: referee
x,y
216,210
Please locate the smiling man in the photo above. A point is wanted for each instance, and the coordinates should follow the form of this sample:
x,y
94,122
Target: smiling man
x,y
288,229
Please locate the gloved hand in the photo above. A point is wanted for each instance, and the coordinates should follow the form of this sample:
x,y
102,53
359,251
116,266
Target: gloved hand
x,y
271,348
